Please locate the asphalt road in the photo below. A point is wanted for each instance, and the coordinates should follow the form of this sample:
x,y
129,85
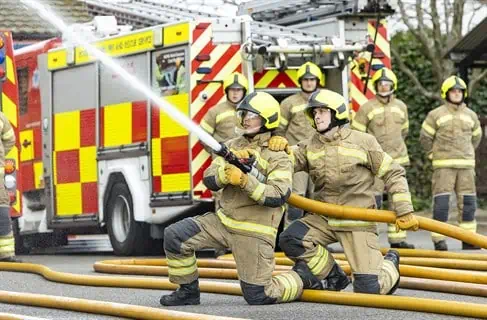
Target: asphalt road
x,y
211,304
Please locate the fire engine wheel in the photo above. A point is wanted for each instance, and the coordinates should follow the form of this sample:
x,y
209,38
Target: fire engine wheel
x,y
127,236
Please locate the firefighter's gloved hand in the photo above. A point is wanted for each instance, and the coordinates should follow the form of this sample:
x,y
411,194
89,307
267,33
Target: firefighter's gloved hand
x,y
242,154
407,222
235,176
278,143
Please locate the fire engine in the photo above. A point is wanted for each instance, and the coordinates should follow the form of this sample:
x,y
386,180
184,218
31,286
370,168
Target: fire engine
x,y
98,156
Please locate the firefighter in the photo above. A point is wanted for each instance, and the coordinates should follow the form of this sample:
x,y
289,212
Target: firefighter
x,y
343,164
296,128
449,135
386,118
7,242
220,121
248,219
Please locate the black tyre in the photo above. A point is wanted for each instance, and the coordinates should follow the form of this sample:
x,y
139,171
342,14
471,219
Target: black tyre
x,y
20,247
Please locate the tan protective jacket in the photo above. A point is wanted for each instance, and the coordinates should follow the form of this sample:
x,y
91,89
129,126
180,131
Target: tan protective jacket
x,y
342,164
8,139
220,122
450,134
388,123
294,125
257,209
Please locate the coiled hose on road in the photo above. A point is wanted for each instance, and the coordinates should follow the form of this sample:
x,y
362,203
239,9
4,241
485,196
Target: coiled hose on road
x,y
442,280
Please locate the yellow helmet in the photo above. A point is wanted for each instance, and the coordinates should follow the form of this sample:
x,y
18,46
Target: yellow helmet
x,y
385,74
236,80
453,82
325,98
311,70
265,106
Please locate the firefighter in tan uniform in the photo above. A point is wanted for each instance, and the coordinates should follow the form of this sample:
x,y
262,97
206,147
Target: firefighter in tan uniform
x,y
248,219
296,128
449,135
386,118
220,121
343,164
7,242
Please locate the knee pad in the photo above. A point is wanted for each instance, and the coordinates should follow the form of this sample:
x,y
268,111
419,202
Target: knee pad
x,y
255,295
366,283
179,232
469,207
441,207
291,239
294,213
5,222
378,201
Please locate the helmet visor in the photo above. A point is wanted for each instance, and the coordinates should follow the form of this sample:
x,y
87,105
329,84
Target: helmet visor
x,y
250,122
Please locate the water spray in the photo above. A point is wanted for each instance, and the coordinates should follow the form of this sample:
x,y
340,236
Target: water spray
x,y
220,149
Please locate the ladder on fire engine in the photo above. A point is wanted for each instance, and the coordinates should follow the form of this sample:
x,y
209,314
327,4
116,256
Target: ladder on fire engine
x,y
145,13
292,12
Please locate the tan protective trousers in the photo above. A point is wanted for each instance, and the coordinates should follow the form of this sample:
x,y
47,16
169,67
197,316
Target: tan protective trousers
x,y
361,249
7,242
303,186
393,235
462,182
254,258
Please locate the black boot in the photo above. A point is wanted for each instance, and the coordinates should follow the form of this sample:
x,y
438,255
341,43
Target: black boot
x,y
10,259
441,246
468,246
336,280
310,281
186,294
393,256
402,245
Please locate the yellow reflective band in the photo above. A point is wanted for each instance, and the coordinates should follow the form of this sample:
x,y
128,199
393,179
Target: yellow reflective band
x,y
398,111
437,235
402,160
444,119
401,197
299,108
392,234
207,127
470,226
467,119
178,263
181,272
287,286
318,262
374,113
221,175
428,129
284,121
7,242
477,132
262,162
353,153
453,162
405,125
246,226
359,126
8,135
224,115
258,192
385,165
349,223
219,161
280,174
315,155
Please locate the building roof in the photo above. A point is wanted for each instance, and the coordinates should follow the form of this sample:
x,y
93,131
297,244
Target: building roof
x,y
471,50
26,24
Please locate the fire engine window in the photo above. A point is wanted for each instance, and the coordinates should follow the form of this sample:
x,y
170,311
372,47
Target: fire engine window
x,y
169,72
74,89
23,78
114,89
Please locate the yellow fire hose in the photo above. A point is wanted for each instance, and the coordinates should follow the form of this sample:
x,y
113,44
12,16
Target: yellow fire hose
x,y
346,212
366,300
10,316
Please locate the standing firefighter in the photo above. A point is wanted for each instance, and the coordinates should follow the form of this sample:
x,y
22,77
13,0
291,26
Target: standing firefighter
x,y
247,220
221,120
449,135
343,164
296,128
386,118
7,242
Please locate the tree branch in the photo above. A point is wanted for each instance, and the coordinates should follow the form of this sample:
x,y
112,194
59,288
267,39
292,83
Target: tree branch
x,y
473,84
474,12
404,68
439,47
457,24
447,9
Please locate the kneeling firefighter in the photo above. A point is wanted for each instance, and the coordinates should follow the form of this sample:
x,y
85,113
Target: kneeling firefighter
x,y
343,164
248,218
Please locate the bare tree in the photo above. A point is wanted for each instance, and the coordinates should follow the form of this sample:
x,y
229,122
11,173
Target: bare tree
x,y
436,26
